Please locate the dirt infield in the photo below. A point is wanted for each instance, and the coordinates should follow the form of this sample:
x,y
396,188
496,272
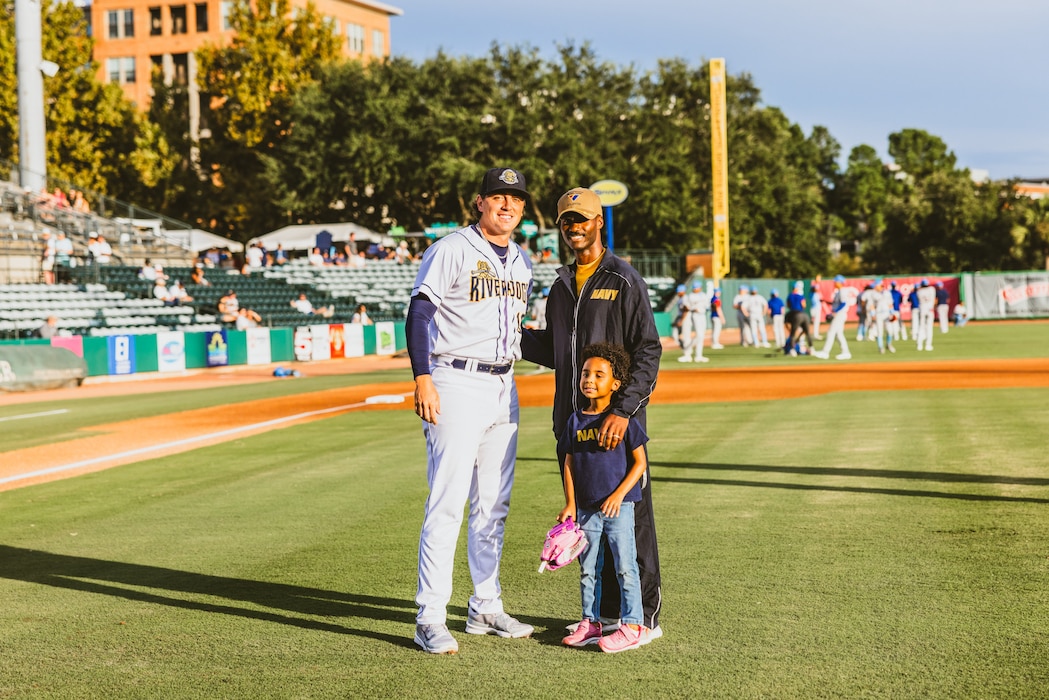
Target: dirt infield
x,y
131,441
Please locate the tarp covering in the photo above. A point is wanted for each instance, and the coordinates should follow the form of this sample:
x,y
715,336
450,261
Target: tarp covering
x,y
35,367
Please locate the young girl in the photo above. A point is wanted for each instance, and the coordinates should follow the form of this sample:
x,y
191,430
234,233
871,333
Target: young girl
x,y
601,487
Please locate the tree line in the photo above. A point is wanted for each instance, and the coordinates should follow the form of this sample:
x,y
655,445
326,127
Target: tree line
x,y
298,134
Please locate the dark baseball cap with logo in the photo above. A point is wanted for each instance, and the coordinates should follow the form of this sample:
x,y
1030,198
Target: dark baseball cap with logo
x,y
499,180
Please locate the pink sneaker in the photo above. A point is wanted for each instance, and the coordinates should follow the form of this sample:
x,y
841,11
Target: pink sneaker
x,y
626,637
586,633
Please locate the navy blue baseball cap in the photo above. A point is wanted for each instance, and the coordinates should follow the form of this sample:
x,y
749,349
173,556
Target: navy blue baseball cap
x,y
508,180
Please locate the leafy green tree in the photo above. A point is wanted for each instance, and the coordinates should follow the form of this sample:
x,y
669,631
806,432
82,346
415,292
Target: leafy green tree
x,y
96,139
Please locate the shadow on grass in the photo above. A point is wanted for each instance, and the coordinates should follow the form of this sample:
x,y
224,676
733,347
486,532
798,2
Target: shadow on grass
x,y
126,581
942,477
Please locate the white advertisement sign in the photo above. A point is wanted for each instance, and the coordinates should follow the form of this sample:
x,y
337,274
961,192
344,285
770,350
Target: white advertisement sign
x,y
258,346
385,338
321,342
353,336
171,351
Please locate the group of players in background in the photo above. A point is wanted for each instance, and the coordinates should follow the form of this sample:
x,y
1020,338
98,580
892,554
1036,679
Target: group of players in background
x,y
881,308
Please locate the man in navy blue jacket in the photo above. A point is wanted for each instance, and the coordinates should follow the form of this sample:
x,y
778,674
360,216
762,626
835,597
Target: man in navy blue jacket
x,y
601,298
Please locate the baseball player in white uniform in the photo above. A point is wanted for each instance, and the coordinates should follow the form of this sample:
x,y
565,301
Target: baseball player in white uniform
x,y
840,308
738,301
464,334
926,308
756,307
694,306
882,311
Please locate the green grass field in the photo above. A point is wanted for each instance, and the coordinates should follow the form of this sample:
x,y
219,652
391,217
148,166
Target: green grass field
x,y
876,544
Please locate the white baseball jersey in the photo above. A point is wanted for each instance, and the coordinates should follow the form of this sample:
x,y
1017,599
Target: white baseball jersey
x,y
926,298
481,300
695,302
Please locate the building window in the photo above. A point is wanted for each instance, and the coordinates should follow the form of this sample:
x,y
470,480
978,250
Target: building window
x,y
180,62
121,24
225,10
355,38
201,13
121,70
378,43
155,27
178,19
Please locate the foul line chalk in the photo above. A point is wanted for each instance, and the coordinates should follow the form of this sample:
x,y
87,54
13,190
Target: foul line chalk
x,y
36,415
199,438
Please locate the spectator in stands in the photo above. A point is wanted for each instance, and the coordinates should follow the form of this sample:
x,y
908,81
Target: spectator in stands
x,y
247,318
229,306
47,259
255,256
178,293
316,258
303,306
197,276
79,203
357,261
401,253
280,256
102,252
49,329
59,199
361,316
212,257
161,291
351,246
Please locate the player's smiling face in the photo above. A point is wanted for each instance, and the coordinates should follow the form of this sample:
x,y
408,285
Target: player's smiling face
x,y
596,380
581,234
500,213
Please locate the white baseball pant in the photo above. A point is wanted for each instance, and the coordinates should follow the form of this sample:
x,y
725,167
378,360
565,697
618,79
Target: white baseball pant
x,y
471,454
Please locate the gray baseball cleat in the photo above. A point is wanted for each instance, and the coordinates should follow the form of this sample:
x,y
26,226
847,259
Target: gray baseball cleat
x,y
436,639
501,625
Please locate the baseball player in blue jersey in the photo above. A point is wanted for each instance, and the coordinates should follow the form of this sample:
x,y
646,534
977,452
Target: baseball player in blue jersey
x,y
601,298
464,334
778,327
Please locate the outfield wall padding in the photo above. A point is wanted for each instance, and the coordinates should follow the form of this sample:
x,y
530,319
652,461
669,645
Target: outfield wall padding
x,y
36,366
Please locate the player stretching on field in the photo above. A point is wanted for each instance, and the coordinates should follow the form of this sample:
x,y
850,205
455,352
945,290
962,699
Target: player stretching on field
x,y
600,492
601,298
464,334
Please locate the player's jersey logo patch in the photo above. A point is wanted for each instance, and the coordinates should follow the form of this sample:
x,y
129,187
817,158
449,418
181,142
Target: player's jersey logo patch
x,y
484,283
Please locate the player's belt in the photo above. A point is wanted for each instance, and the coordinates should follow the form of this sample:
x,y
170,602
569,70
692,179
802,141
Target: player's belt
x,y
485,367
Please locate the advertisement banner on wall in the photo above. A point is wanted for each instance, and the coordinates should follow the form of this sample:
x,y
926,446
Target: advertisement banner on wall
x,y
353,335
1014,295
171,351
303,344
385,338
338,342
258,346
72,343
321,342
217,348
121,354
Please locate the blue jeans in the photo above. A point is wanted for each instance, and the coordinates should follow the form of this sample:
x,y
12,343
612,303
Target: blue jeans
x,y
620,535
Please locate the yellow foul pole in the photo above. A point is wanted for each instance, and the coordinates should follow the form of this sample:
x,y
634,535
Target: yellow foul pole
x,y
719,160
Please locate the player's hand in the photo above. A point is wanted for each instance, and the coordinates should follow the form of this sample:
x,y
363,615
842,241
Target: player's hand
x,y
566,513
427,402
610,508
612,432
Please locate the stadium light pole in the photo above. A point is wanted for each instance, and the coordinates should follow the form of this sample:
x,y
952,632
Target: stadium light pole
x,y
32,132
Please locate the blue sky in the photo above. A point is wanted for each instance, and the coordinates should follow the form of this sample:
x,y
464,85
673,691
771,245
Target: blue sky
x,y
974,73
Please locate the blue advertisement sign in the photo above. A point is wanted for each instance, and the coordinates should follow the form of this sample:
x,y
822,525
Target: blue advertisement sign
x,y
217,348
121,354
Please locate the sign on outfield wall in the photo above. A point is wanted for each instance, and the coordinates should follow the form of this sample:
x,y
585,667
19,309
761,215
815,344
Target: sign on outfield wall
x,y
216,346
121,354
353,337
321,349
171,351
1016,295
385,338
258,346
